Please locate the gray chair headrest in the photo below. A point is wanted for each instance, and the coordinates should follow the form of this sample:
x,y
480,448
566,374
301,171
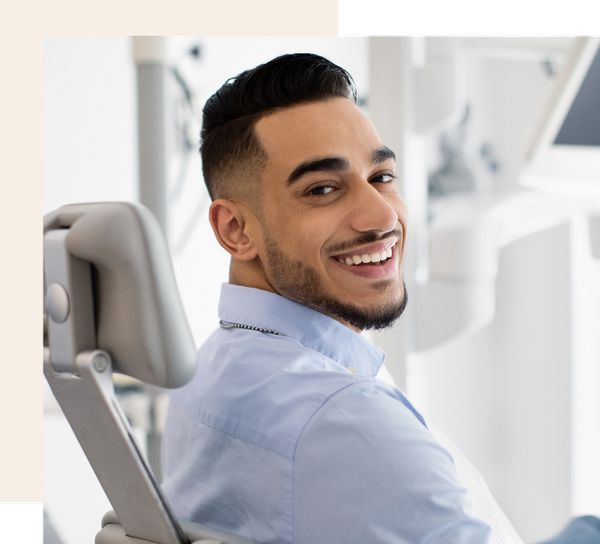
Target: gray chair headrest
x,y
139,317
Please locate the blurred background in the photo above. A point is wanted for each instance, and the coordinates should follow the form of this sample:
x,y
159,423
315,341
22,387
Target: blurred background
x,y
500,344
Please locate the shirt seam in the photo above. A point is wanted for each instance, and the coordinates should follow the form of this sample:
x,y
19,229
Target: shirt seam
x,y
182,406
290,521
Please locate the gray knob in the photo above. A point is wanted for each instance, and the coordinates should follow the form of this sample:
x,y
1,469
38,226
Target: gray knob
x,y
57,302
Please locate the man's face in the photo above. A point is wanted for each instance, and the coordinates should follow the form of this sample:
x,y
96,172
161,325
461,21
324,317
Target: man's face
x,y
331,205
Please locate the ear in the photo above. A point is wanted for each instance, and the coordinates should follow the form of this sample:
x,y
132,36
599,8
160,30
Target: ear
x,y
229,220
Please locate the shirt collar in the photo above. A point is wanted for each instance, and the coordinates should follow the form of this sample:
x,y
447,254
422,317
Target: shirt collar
x,y
314,330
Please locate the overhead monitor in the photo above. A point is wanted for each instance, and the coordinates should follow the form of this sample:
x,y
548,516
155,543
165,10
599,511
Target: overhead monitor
x,y
563,154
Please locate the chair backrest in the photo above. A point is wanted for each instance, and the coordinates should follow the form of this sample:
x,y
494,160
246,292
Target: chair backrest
x,y
138,313
111,304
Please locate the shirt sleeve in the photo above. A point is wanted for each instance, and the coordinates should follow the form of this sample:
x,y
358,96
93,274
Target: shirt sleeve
x,y
367,470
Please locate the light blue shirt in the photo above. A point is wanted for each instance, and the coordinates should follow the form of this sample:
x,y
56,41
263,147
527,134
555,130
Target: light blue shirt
x,y
292,439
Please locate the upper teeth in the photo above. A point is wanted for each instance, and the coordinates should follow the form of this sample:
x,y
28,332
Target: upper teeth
x,y
367,257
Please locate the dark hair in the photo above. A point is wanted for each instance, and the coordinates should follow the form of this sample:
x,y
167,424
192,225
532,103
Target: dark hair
x,y
232,157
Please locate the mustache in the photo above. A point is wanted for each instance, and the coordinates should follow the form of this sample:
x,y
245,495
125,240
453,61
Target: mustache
x,y
365,238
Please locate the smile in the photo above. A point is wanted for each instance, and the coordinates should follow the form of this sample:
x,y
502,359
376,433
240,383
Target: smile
x,y
365,258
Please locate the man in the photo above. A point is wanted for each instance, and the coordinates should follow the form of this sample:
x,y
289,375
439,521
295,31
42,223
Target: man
x,y
285,434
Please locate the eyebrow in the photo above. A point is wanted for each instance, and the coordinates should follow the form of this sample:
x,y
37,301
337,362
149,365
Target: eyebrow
x,y
381,155
328,164
335,164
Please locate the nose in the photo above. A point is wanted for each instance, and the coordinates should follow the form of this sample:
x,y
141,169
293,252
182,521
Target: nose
x,y
374,210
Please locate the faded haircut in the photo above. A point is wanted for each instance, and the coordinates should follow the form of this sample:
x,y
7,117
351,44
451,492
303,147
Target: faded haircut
x,y
232,156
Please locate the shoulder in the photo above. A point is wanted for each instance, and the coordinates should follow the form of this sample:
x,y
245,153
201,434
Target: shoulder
x,y
261,387
368,409
367,469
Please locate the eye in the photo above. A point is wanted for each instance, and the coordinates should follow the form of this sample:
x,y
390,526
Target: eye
x,y
383,178
321,190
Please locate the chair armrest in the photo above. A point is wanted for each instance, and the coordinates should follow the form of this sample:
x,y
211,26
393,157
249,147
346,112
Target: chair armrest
x,y
113,533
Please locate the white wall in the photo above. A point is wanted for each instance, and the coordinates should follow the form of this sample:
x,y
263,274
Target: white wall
x,y
89,120
503,394
516,395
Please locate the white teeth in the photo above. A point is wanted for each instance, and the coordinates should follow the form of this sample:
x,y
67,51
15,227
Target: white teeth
x,y
367,257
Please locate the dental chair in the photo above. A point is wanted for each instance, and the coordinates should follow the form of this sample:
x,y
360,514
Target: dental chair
x,y
112,305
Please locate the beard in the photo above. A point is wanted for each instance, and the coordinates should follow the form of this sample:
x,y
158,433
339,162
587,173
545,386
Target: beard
x,y
301,283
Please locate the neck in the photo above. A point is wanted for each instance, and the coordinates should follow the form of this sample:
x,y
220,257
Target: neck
x,y
251,274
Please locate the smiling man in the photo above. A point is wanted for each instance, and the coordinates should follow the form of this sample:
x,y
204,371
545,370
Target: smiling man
x,y
285,434
327,230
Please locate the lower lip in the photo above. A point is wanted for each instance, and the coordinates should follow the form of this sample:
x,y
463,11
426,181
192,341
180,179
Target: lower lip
x,y
372,271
